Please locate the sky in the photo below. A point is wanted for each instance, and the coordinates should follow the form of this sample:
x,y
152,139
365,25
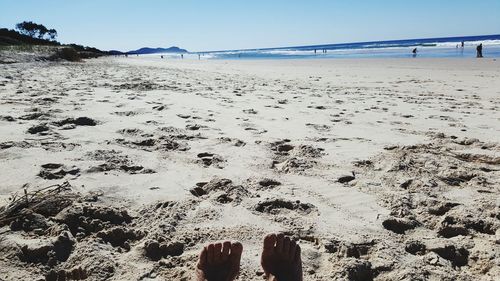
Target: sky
x,y
207,25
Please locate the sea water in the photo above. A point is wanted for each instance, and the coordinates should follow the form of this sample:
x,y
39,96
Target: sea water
x,y
427,48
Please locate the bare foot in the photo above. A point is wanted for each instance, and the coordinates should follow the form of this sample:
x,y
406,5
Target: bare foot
x,y
281,259
219,262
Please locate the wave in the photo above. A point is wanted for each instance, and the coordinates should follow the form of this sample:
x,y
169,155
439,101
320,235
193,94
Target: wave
x,y
470,43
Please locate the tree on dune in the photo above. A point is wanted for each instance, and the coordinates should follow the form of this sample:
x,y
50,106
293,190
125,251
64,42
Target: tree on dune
x,y
35,30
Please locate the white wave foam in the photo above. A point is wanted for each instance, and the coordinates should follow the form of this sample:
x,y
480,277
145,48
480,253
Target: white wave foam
x,y
470,43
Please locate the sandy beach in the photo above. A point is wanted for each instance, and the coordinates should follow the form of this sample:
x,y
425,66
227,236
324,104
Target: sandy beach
x,y
380,169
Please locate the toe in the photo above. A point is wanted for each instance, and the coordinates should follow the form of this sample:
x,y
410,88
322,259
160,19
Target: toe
x,y
279,242
286,246
218,252
234,259
211,252
297,254
269,242
236,249
202,260
226,248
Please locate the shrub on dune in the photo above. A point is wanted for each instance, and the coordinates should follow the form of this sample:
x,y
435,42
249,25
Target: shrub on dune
x,y
68,54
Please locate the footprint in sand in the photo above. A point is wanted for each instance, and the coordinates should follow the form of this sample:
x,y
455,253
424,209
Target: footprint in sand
x,y
276,206
53,171
210,160
41,129
221,190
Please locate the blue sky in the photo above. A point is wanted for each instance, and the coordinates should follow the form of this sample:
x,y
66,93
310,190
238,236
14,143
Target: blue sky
x,y
202,25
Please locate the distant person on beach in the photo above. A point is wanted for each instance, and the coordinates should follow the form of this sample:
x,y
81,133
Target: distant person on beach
x,y
414,52
479,50
182,56
280,260
463,44
161,57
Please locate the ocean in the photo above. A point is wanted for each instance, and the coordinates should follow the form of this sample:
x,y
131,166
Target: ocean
x,y
426,48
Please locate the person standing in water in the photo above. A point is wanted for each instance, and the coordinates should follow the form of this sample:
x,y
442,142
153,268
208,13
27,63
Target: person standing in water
x,y
479,50
414,52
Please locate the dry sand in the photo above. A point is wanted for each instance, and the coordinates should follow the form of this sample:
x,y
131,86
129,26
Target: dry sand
x,y
380,169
